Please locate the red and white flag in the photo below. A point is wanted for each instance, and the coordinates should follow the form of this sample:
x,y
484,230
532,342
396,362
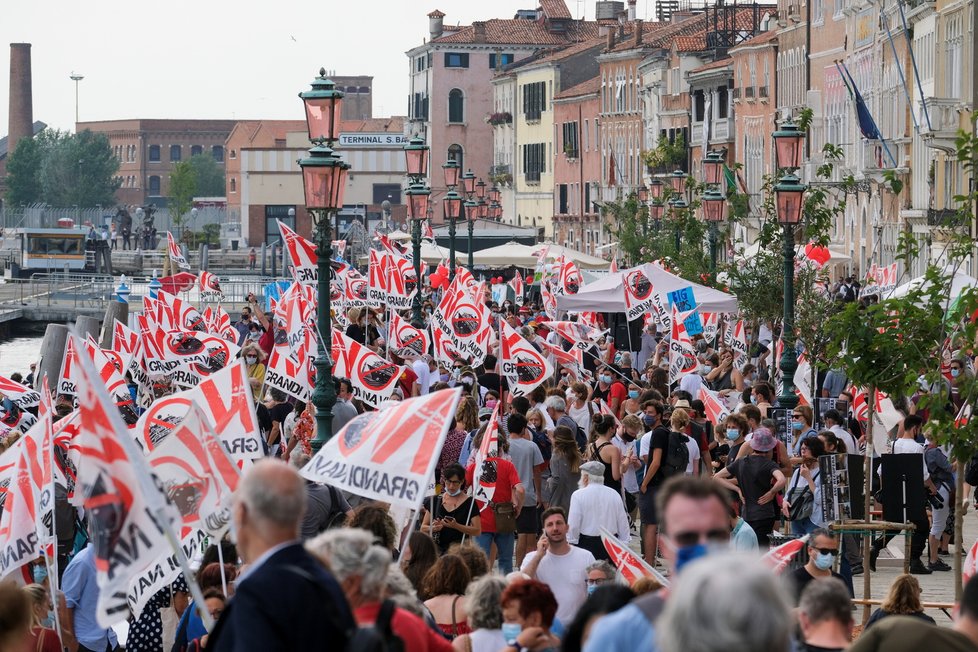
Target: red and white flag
x,y
484,475
711,325
405,339
389,454
210,284
518,289
682,355
640,297
339,246
21,395
569,279
355,290
378,275
781,556
549,300
736,339
177,283
124,339
716,409
373,377
582,335
225,398
402,282
176,256
288,366
427,232
522,365
189,356
183,314
129,517
968,568
630,565
613,268
302,255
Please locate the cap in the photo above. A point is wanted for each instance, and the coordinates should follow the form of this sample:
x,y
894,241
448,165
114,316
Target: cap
x,y
763,440
532,324
681,403
592,468
484,413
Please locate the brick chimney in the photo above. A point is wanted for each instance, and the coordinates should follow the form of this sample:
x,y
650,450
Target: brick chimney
x,y
611,39
637,36
435,24
21,123
478,31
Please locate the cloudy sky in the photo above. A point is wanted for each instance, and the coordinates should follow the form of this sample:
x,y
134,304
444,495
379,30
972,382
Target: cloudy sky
x,y
241,59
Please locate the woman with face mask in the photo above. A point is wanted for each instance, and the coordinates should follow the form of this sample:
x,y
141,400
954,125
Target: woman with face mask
x,y
631,406
579,408
254,359
529,607
455,516
801,428
802,504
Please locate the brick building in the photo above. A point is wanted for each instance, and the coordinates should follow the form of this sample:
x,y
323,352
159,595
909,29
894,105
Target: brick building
x,y
148,149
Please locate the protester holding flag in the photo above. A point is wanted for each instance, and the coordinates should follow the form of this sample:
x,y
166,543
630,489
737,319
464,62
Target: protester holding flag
x,y
496,485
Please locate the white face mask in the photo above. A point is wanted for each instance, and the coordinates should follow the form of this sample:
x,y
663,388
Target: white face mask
x,y
251,359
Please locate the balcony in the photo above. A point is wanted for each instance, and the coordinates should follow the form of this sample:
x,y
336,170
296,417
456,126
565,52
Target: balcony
x,y
749,92
722,129
947,218
944,122
696,134
762,92
532,176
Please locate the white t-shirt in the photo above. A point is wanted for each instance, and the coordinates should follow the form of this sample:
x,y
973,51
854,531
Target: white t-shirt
x,y
908,446
420,367
629,481
852,446
691,383
566,576
581,415
694,455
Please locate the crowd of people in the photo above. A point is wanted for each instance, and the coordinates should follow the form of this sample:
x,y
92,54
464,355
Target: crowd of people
x,y
612,448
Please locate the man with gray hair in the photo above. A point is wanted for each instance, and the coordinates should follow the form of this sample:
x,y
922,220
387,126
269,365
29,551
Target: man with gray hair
x,y
595,506
326,506
285,600
825,616
557,410
361,568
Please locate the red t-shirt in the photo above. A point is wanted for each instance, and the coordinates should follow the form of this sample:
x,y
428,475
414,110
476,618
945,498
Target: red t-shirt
x,y
417,636
506,479
617,390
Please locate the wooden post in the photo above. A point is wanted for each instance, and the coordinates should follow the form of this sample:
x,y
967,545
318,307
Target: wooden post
x,y
867,498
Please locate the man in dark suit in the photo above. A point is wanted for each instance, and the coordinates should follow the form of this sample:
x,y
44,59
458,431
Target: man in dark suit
x,y
285,599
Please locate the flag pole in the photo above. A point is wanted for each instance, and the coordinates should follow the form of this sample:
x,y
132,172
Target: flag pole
x,y
220,560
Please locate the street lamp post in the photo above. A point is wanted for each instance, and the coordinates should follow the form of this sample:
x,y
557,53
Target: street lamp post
x,y
471,212
677,181
76,77
323,181
790,198
452,210
418,196
713,202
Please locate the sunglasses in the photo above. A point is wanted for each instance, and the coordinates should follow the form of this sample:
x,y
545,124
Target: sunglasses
x,y
795,416
683,539
827,551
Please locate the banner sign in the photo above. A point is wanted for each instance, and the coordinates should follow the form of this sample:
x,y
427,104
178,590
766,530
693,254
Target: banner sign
x,y
372,377
302,255
521,364
639,295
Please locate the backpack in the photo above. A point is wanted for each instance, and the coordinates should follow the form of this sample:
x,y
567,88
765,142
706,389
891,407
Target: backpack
x,y
337,517
676,455
378,637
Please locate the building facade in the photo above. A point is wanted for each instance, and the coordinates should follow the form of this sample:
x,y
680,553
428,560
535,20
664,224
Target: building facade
x,y
147,150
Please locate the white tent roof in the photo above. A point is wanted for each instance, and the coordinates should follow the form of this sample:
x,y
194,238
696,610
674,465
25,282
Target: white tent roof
x,y
582,259
960,281
398,236
504,255
431,254
608,293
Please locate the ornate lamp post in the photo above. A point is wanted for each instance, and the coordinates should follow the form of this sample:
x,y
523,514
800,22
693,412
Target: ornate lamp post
x,y
713,202
677,181
323,181
790,200
471,213
418,194
452,205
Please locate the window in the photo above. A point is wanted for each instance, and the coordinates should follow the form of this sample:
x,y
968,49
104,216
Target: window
x,y
217,151
174,153
699,106
154,185
534,161
569,141
456,59
456,106
953,62
273,213
534,100
196,150
455,154
233,155
419,106
154,153
503,59
234,186
722,102
387,192
562,199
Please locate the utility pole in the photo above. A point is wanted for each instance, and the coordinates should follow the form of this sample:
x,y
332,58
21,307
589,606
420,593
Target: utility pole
x,y
76,77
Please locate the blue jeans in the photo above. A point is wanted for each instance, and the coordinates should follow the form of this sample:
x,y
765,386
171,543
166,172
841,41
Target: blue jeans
x,y
803,526
504,548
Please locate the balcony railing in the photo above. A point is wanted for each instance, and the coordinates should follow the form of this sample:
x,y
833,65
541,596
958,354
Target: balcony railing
x,y
944,122
762,92
749,92
532,176
721,129
945,217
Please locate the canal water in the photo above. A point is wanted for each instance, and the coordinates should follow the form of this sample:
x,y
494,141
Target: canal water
x,y
18,352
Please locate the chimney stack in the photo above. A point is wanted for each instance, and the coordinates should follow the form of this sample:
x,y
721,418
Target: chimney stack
x,y
637,36
478,31
611,39
631,10
435,24
21,96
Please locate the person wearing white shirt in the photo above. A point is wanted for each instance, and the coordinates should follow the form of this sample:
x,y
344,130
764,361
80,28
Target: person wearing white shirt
x,y
693,467
833,421
691,383
420,367
595,506
560,565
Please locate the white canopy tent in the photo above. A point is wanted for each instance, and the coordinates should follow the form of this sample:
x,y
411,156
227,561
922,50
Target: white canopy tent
x,y
836,257
583,260
608,293
398,236
514,253
960,282
431,254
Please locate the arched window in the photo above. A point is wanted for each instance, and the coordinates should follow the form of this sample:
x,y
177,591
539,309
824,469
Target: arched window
x,y
154,153
196,150
455,154
217,151
456,105
154,185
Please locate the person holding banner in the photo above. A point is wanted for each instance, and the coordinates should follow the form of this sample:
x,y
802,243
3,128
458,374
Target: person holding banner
x,y
507,489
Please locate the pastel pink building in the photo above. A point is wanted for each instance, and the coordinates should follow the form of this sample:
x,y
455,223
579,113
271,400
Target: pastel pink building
x,y
450,91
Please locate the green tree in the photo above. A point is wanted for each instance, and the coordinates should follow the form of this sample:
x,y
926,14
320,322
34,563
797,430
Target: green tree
x,y
210,176
23,173
183,189
64,169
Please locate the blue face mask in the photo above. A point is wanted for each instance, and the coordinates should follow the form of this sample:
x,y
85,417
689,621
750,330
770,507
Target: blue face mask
x,y
510,632
733,434
688,554
633,393
753,399
796,425
955,373
824,561
591,588
605,379
40,574
648,420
